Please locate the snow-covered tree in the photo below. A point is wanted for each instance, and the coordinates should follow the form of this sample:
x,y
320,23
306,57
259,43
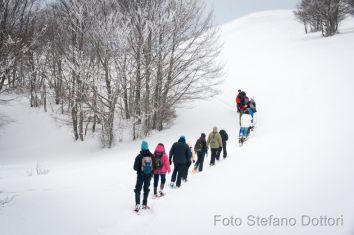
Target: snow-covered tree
x,y
17,21
322,15
108,61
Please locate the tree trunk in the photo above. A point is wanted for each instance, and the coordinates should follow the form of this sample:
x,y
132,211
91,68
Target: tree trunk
x,y
74,119
44,97
81,124
138,83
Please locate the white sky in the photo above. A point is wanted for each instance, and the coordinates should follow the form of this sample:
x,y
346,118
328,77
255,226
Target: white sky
x,y
227,10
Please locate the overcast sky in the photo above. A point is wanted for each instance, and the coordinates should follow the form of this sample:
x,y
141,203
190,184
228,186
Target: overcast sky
x,y
227,10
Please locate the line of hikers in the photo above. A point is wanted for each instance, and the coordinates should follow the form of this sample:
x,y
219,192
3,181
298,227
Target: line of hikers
x,y
155,165
247,109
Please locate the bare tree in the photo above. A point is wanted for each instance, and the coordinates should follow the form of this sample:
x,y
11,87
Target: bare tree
x,y
351,5
324,13
77,20
107,61
16,24
174,51
108,39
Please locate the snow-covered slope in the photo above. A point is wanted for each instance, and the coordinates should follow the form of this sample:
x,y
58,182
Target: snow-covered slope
x,y
298,162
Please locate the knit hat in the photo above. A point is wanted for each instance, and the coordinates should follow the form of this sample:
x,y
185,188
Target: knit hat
x,y
203,135
144,145
182,139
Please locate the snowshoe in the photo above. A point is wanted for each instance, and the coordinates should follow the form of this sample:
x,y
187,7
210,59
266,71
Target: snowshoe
x,y
137,209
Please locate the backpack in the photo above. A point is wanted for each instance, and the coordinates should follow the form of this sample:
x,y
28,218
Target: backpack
x,y
146,165
198,146
224,135
213,140
157,160
246,100
190,154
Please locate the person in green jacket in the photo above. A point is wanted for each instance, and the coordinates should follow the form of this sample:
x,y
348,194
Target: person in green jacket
x,y
215,142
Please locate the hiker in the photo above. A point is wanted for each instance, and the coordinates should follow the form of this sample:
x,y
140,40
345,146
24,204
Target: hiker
x,y
244,98
189,162
246,124
200,148
180,154
224,138
144,170
238,100
250,112
252,105
252,109
161,166
215,142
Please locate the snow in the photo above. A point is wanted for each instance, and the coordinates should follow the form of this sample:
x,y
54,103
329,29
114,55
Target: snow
x,y
299,161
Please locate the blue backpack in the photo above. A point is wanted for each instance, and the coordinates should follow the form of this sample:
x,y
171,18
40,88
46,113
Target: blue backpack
x,y
146,165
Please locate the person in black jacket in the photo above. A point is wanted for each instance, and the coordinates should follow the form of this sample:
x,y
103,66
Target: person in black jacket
x,y
201,148
224,138
144,170
180,154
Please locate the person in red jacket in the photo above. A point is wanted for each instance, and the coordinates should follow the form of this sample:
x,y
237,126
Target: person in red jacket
x,y
161,167
238,100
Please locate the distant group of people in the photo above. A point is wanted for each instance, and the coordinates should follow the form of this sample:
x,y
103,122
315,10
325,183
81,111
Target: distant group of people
x,y
247,109
182,154
156,165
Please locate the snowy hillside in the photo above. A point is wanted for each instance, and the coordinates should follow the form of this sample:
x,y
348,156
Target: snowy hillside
x,y
299,161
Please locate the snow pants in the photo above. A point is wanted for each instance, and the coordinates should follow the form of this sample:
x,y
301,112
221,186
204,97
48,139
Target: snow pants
x,y
214,154
200,161
156,179
223,150
140,182
178,172
185,175
244,132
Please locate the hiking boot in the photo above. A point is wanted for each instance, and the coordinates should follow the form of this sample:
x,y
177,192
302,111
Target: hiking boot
x,y
137,208
145,207
172,185
162,194
155,196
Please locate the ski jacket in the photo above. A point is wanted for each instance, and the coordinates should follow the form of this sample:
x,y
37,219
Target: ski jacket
x,y
246,120
138,160
238,100
179,152
224,136
164,159
214,139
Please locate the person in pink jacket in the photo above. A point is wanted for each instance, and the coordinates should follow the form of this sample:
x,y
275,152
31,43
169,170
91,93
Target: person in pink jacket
x,y
161,167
